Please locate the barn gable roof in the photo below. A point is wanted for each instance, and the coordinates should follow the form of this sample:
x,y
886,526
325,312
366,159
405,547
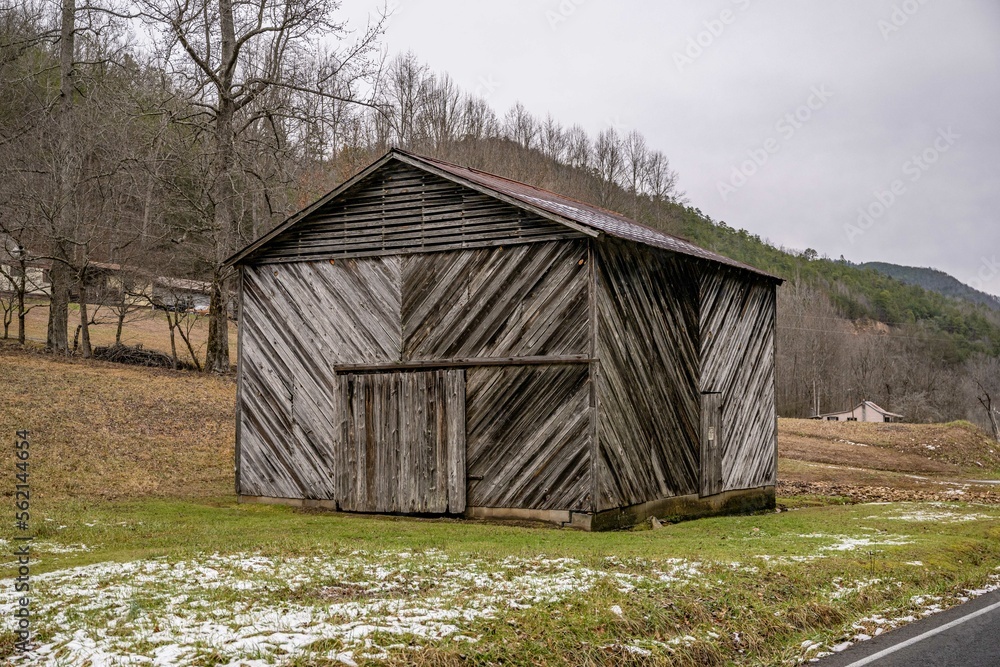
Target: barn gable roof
x,y
581,217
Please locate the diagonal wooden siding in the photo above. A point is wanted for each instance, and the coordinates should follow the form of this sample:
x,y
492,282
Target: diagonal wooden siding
x,y
301,320
737,359
400,210
526,300
298,320
647,331
528,437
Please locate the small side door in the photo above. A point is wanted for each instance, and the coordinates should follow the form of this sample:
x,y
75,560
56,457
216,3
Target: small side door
x,y
711,444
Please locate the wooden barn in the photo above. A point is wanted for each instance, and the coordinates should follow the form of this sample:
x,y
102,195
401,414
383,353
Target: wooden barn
x,y
432,339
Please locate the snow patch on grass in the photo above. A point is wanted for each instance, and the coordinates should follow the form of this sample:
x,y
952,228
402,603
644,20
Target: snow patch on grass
x,y
258,610
937,516
849,543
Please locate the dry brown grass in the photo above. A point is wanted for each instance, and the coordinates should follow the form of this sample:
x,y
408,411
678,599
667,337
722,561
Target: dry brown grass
x,y
101,430
959,444
886,462
146,327
820,450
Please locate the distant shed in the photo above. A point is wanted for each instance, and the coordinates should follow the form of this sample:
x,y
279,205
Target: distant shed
x,y
429,338
865,411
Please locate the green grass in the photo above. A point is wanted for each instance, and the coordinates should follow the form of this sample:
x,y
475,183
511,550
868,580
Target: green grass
x,y
135,465
136,529
772,578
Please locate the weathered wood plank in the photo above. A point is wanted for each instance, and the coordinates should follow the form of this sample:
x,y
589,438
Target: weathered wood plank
x,y
454,396
467,243
405,441
648,422
528,437
400,207
464,362
737,353
711,445
522,301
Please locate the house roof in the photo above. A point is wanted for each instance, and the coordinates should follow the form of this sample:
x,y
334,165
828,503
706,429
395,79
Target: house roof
x,y
857,407
182,284
586,218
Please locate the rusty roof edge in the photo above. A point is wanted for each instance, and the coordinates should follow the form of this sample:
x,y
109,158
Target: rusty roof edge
x,y
444,169
696,251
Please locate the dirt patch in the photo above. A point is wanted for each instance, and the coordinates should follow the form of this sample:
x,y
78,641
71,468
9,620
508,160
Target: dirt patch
x,y
888,494
959,444
866,462
851,453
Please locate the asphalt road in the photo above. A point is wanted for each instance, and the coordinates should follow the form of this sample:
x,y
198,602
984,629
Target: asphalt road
x,y
964,636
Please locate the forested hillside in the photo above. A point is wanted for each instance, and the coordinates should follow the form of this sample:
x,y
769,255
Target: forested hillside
x,y
171,156
934,281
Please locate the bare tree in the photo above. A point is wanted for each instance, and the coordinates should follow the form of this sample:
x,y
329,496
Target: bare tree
x,y
578,152
60,274
609,164
479,121
406,94
660,180
442,112
553,139
636,160
984,373
521,127
232,60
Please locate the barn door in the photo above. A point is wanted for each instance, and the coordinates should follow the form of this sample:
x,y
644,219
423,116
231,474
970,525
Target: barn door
x,y
711,444
403,449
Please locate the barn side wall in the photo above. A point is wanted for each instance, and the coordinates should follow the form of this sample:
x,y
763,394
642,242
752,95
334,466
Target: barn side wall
x,y
306,325
737,360
647,384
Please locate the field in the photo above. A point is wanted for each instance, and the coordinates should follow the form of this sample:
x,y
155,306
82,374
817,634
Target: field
x,y
144,326
141,555
888,462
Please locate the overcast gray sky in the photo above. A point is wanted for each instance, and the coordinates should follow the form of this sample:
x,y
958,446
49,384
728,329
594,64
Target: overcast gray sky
x,y
868,128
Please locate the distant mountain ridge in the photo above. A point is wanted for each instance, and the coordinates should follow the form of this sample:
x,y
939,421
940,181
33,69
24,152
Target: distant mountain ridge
x,y
935,281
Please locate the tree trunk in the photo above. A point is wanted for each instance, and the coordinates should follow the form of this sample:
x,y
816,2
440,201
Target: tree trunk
x,y
60,275
217,355
173,340
84,322
226,226
56,338
187,341
121,324
995,423
21,288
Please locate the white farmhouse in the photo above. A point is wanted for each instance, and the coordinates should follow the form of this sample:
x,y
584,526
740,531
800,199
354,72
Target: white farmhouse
x,y
865,411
